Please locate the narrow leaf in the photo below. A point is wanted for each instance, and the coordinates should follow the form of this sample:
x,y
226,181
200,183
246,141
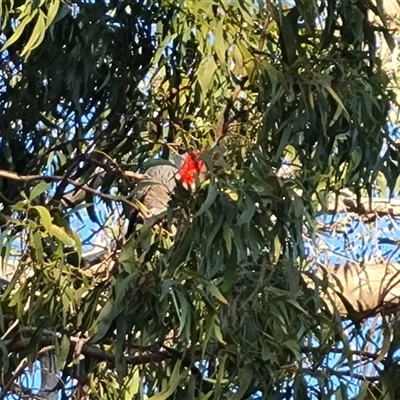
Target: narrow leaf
x,y
61,235
337,99
37,35
205,74
52,12
172,384
45,217
211,196
38,190
20,29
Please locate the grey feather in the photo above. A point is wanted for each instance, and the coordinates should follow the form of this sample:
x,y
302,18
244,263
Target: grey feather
x,y
160,184
155,192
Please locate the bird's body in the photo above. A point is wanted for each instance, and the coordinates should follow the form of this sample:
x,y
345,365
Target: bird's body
x,y
159,185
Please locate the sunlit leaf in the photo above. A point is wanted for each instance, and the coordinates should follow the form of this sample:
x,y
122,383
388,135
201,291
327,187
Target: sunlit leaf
x,y
20,29
52,12
214,291
205,74
45,217
62,235
37,35
38,190
219,44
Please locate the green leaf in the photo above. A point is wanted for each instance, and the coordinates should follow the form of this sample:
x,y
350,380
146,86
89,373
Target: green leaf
x,y
214,291
337,99
37,35
106,317
62,235
181,250
52,12
387,342
45,217
248,62
77,244
205,74
293,346
5,359
246,216
230,270
36,240
338,113
289,36
132,388
165,288
20,29
217,331
38,190
364,390
64,11
112,309
2,327
183,311
172,383
221,375
219,43
210,199
228,233
62,352
277,249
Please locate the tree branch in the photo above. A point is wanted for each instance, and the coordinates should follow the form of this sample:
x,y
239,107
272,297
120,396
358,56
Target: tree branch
x,y
21,340
222,126
369,208
55,178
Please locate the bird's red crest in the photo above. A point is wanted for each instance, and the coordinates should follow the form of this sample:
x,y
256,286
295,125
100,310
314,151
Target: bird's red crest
x,y
190,169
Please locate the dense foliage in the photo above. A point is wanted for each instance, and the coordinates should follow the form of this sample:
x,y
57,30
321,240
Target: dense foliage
x,y
212,305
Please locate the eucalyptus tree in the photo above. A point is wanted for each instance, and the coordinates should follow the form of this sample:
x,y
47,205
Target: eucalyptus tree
x,y
227,298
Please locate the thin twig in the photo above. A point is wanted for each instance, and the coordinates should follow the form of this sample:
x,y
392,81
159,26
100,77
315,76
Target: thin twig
x,y
223,123
54,178
9,330
18,371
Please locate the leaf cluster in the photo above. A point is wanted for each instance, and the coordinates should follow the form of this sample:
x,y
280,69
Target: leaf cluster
x,y
211,304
